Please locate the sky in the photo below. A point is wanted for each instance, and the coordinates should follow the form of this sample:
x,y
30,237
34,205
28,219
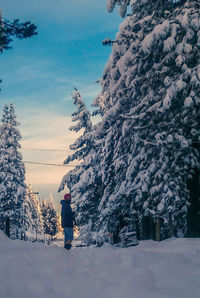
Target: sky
x,y
39,75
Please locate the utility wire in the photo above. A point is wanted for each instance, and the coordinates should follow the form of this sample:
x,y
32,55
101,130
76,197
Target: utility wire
x,y
42,163
49,164
38,149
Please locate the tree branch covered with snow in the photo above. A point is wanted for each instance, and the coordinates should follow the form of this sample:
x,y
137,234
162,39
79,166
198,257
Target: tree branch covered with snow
x,y
12,172
146,146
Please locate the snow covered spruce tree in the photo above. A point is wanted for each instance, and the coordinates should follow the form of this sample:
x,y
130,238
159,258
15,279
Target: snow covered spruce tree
x,y
28,220
149,133
50,220
35,229
84,181
150,98
43,207
12,174
82,119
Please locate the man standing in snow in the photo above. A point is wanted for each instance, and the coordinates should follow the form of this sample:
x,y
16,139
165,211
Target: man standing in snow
x,y
67,220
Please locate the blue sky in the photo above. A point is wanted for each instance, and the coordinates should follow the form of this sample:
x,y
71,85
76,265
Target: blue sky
x,y
39,75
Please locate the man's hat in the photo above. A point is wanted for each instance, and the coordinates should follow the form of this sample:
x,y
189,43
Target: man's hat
x,y
67,196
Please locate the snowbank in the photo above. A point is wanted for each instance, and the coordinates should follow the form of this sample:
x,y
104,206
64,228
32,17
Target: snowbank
x,y
3,236
170,269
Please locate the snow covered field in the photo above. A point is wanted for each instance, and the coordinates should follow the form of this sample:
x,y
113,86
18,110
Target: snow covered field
x,y
170,269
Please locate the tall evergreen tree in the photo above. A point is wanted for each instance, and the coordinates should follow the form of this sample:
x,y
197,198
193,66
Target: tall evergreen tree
x,y
84,181
28,223
82,119
35,213
43,207
150,94
50,219
147,142
12,173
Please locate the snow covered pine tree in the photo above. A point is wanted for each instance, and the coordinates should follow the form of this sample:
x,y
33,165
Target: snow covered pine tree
x,y
33,213
50,220
84,181
12,175
43,207
150,91
150,130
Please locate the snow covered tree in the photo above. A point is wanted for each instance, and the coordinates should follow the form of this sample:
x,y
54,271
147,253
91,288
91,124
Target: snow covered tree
x,y
82,119
83,144
34,212
27,219
84,181
43,207
50,219
146,146
12,173
150,105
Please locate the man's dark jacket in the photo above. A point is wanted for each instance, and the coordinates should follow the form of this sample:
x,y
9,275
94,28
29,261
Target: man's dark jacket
x,y
67,216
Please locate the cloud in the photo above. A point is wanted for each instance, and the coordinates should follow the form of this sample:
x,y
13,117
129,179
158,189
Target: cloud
x,y
40,73
41,81
44,129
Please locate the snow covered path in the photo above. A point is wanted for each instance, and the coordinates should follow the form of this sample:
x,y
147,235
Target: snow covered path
x,y
170,269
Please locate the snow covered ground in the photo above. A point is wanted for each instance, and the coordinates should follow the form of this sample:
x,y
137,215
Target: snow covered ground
x,y
2,236
169,269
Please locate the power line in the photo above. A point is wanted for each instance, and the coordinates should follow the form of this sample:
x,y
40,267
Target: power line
x,y
38,149
49,164
35,149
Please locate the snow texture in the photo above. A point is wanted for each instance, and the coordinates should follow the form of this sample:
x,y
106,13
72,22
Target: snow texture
x,y
151,269
3,236
123,4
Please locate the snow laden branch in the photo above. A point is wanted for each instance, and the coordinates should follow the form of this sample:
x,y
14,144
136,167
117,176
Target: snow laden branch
x,y
146,145
82,119
137,5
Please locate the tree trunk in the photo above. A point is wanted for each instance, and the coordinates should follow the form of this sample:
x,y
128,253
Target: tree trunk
x,y
170,225
8,227
158,229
